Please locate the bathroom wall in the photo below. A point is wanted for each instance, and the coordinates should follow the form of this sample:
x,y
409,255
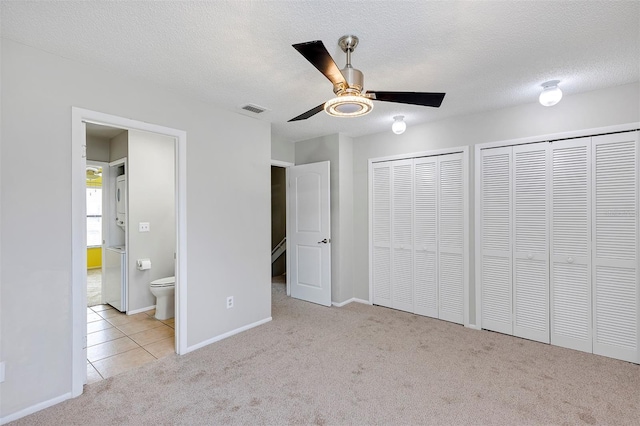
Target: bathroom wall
x,y
151,197
97,148
118,146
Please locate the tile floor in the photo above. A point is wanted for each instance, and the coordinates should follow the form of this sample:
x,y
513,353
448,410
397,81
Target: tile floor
x,y
117,342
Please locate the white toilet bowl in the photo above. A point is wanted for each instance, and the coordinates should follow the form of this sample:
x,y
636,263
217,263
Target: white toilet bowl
x,y
164,290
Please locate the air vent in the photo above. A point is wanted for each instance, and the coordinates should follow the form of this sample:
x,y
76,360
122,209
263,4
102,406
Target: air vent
x,y
253,108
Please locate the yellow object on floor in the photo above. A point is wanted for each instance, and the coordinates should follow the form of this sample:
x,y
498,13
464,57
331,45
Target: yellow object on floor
x,y
94,257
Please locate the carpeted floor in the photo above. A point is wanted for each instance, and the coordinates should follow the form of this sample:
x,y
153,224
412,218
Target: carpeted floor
x,y
362,365
94,287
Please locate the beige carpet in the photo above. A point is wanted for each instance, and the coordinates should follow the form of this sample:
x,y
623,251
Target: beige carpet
x,y
94,287
362,365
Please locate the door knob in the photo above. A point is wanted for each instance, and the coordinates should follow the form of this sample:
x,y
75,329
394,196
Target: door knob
x,y
325,241
570,259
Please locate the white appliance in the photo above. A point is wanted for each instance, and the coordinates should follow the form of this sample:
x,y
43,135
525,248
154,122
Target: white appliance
x,y
115,275
121,196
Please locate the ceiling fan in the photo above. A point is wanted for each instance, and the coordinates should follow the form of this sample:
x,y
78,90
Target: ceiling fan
x,y
350,101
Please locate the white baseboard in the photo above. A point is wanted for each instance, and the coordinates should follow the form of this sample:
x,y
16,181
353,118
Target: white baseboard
x,y
137,311
473,326
353,299
225,335
34,408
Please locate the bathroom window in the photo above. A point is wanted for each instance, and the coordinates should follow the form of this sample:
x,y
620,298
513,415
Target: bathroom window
x,y
94,217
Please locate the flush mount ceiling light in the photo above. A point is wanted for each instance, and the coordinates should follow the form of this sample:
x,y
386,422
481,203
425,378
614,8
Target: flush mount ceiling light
x,y
399,126
348,106
551,93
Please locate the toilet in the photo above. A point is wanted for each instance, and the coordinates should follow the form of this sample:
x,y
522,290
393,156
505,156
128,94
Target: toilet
x,y
164,290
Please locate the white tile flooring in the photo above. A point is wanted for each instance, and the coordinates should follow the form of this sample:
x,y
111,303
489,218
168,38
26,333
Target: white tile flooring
x,y
117,342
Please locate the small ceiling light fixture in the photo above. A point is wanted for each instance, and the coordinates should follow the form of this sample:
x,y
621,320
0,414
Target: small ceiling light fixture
x,y
398,126
348,106
551,93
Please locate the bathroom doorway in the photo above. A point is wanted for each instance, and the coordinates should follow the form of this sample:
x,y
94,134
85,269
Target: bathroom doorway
x,y
105,322
96,174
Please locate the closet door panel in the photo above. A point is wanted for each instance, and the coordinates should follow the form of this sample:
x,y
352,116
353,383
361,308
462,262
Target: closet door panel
x,y
425,236
402,235
381,218
451,238
496,239
615,251
531,241
570,236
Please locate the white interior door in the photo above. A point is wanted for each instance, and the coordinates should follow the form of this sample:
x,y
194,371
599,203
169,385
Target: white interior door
x,y
497,239
616,287
570,234
531,241
451,225
402,235
309,232
426,236
381,234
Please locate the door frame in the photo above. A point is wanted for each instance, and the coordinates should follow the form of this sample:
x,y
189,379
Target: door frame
x,y
285,165
80,116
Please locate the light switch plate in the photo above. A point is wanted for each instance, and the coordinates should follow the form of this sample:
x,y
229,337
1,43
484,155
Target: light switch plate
x,y
144,227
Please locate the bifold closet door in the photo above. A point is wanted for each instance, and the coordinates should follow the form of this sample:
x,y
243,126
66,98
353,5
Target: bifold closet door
x,y
531,241
393,234
451,268
426,236
616,295
570,235
402,235
381,234
496,239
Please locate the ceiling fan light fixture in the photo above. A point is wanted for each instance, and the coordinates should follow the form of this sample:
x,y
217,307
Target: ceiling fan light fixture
x,y
551,93
348,106
399,126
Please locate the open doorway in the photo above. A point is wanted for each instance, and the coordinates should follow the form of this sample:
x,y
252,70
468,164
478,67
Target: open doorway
x,y
95,194
279,222
138,303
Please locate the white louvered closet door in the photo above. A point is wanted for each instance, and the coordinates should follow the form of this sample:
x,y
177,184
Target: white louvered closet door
x,y
402,235
615,251
426,236
496,236
381,235
570,235
451,238
531,242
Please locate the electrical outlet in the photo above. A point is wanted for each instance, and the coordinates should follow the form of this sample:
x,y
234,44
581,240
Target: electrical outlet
x,y
144,227
1,372
229,302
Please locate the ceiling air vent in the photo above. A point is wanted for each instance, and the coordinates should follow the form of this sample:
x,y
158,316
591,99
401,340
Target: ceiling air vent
x,y
253,108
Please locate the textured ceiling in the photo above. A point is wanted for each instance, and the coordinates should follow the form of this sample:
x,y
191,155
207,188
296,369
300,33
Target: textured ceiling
x,y
485,55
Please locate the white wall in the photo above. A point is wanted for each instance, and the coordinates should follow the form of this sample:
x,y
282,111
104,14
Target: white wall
x,y
97,148
616,105
228,245
282,151
151,198
338,150
119,146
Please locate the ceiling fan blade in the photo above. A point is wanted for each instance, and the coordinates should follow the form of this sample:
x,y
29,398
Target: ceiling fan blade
x,y
413,98
317,54
308,114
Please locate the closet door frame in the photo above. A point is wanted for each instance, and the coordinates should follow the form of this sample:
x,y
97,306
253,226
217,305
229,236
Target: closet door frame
x,y
466,244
